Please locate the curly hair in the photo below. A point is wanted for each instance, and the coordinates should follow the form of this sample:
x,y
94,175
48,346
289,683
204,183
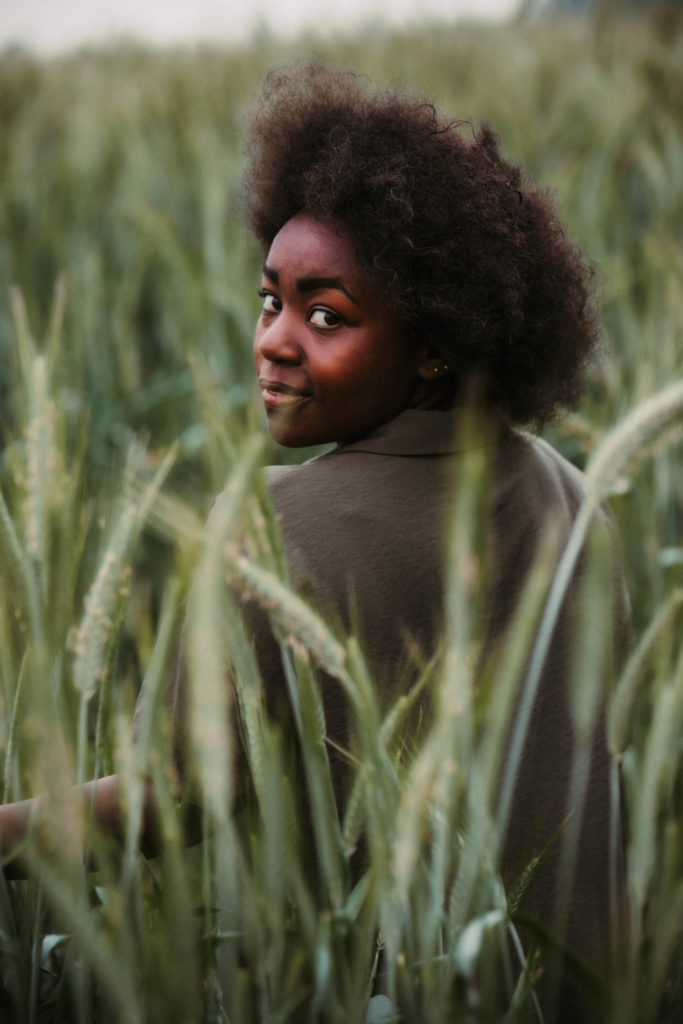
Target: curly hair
x,y
470,251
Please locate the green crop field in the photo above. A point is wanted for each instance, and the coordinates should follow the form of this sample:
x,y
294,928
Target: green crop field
x,y
127,299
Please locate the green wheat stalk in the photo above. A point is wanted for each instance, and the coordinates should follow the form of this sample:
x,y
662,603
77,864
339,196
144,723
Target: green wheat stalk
x,y
624,444
633,676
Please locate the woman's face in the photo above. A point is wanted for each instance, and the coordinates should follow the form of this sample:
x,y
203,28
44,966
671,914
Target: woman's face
x,y
332,359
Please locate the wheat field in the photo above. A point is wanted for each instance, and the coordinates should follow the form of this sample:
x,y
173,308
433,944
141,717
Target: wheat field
x,y
127,301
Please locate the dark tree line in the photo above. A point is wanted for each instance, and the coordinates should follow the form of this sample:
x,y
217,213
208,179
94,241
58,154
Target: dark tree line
x,y
615,5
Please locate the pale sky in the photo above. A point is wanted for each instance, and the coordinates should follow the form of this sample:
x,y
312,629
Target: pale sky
x,y
51,26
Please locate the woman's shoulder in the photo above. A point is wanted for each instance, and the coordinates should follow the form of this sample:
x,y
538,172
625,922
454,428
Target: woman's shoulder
x,y
537,487
530,463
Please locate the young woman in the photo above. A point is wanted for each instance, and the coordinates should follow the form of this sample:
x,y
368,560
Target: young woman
x,y
411,271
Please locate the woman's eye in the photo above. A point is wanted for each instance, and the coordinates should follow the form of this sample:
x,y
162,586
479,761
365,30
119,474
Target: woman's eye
x,y
271,304
324,318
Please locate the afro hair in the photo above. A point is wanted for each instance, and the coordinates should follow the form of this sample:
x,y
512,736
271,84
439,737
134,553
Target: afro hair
x,y
453,235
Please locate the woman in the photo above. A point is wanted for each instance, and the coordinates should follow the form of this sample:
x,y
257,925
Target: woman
x,y
411,271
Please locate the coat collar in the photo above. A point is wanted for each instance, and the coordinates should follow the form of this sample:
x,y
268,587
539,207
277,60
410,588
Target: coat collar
x,y
426,432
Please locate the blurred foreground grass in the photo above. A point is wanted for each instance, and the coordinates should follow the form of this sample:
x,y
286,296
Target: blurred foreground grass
x,y
129,291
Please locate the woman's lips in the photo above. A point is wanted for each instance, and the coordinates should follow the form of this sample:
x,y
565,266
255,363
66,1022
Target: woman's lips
x,y
277,395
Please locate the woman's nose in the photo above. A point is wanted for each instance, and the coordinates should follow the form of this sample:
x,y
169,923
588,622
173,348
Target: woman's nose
x,y
278,342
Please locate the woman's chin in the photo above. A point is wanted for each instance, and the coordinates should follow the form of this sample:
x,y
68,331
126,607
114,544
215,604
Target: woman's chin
x,y
286,432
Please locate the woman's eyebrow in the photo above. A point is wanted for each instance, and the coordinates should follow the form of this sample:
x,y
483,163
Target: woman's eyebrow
x,y
312,284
